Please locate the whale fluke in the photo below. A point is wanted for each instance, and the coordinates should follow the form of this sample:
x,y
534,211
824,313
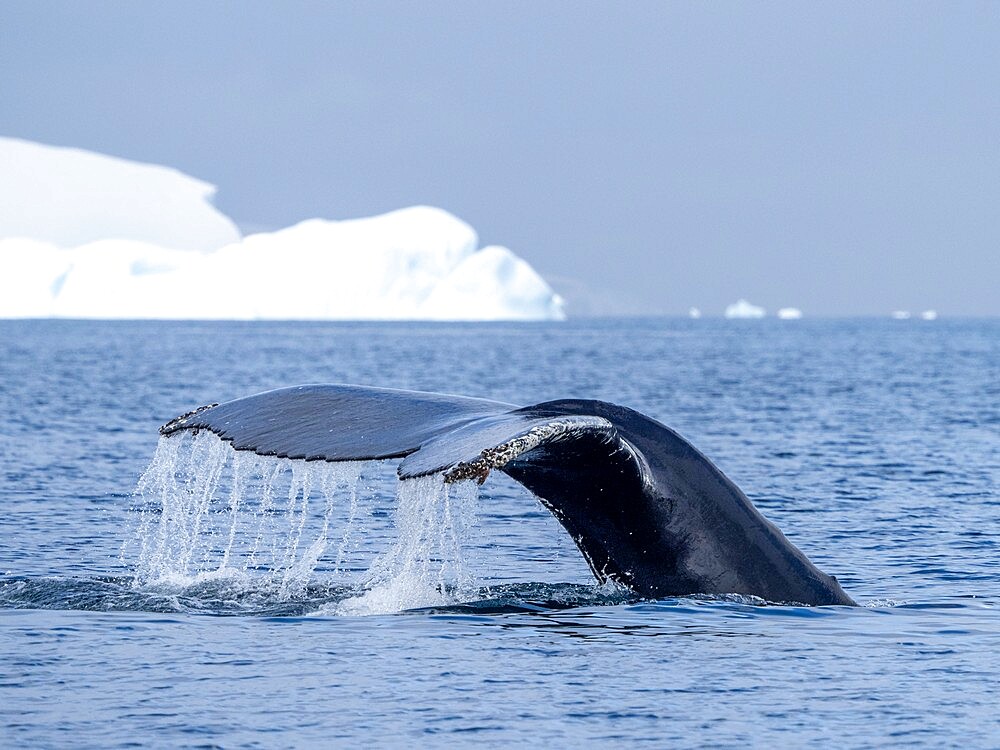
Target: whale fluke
x,y
645,507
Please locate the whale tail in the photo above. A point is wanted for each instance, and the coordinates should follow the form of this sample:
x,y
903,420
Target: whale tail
x,y
644,506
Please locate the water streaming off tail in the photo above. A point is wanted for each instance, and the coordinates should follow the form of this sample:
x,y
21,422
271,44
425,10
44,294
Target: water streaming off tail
x,y
426,565
208,513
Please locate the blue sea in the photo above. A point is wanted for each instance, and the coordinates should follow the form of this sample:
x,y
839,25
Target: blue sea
x,y
873,444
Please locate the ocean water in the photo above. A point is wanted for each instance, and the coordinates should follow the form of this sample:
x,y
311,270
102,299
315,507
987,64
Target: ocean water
x,y
327,606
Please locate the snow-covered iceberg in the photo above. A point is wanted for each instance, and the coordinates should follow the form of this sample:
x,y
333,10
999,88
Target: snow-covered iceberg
x,y
418,263
69,197
743,309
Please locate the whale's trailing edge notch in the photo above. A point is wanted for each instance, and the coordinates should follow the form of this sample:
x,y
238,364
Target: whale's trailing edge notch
x,y
646,508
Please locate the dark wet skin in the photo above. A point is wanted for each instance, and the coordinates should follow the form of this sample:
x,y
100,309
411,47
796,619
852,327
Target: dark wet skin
x,y
645,507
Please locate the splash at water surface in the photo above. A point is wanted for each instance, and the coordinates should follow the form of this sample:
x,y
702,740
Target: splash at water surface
x,y
207,513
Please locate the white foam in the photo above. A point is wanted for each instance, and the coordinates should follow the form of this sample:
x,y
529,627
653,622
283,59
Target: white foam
x,y
743,309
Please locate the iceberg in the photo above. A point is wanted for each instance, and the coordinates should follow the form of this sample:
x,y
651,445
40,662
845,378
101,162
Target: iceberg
x,y
417,263
743,309
900,314
789,313
929,315
694,313
69,197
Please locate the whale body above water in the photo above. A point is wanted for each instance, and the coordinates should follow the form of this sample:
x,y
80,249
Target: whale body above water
x,y
645,507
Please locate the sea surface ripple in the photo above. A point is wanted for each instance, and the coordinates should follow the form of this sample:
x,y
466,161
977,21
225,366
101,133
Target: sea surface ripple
x,y
873,444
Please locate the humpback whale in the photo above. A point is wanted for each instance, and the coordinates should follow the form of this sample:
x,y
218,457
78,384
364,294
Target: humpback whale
x,y
645,507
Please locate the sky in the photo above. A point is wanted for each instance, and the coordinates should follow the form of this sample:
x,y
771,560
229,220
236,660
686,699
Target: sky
x,y
843,158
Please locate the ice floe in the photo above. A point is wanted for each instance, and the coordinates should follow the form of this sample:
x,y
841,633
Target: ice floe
x,y
743,309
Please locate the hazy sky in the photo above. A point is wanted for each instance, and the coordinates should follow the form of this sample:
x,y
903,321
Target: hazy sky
x,y
644,157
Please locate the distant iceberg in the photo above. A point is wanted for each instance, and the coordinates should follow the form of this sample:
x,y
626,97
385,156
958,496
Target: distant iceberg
x,y
743,309
929,315
900,314
789,313
68,197
145,242
694,312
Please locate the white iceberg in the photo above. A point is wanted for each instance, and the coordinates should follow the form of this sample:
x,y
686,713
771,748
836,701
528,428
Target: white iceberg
x,y
694,313
418,263
789,313
929,315
69,197
900,314
743,309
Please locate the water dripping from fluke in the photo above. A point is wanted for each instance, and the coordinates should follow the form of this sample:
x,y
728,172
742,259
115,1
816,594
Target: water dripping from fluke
x,y
211,521
425,567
